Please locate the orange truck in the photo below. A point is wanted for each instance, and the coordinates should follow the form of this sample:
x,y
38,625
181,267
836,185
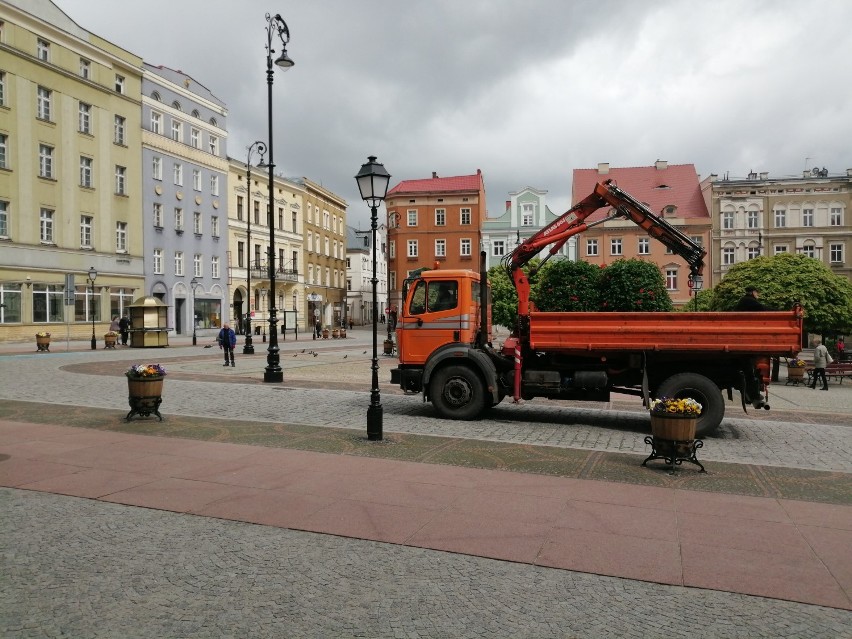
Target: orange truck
x,y
446,352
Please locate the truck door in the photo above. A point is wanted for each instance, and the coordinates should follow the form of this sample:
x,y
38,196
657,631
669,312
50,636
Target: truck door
x,y
433,318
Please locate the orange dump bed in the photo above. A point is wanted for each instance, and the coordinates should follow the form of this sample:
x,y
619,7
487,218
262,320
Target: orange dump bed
x,y
776,333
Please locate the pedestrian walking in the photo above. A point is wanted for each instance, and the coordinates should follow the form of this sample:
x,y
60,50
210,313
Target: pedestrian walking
x,y
822,358
115,325
124,329
227,341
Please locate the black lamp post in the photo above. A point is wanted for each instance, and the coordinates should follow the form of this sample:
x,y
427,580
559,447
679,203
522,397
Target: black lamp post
x,y
260,147
194,284
273,372
92,275
373,182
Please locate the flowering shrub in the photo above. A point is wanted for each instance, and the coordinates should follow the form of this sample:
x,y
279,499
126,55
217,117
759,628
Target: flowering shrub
x,y
674,406
42,334
141,371
796,363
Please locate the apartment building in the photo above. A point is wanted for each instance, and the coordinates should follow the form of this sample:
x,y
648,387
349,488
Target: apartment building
x,y
671,191
185,175
763,215
71,188
360,253
431,221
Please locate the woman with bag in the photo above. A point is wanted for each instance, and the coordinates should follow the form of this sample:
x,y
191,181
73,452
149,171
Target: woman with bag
x,y
822,358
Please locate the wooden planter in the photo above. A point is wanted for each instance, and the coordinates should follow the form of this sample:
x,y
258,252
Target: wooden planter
x,y
42,343
325,333
110,341
795,372
342,332
674,427
388,347
335,333
673,440
145,394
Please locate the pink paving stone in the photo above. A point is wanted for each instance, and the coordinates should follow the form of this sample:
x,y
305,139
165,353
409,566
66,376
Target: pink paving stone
x,y
14,432
654,560
649,523
834,548
625,494
730,506
531,484
815,514
771,574
363,520
745,534
19,472
91,483
254,476
508,506
328,484
86,436
221,451
266,507
159,445
506,539
176,495
99,456
40,449
405,493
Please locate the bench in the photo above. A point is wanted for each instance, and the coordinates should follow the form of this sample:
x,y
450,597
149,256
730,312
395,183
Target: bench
x,y
835,370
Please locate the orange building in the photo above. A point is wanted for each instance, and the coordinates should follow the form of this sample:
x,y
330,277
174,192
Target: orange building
x,y
672,192
433,220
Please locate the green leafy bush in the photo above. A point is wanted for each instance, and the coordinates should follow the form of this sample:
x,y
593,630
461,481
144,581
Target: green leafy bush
x,y
567,286
633,285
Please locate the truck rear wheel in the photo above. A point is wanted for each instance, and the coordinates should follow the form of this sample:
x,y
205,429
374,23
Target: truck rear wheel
x,y
457,393
702,390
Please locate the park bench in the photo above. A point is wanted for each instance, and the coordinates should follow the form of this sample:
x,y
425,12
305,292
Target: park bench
x,y
835,370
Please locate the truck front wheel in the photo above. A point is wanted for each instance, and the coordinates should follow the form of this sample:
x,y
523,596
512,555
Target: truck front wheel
x,y
457,393
702,390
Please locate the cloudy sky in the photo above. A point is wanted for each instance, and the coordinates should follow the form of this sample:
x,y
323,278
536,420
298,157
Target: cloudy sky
x,y
524,90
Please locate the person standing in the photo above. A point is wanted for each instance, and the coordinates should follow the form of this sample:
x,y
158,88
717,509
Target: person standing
x,y
822,358
124,329
115,325
748,302
227,341
841,350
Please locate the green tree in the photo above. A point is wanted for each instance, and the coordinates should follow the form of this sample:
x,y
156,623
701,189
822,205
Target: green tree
x,y
701,302
504,299
785,279
567,286
633,285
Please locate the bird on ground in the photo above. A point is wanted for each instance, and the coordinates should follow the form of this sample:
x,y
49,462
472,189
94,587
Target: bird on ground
x,y
209,346
303,350
364,353
315,354
345,356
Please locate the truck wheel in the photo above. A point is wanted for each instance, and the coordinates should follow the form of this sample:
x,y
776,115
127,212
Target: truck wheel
x,y
701,390
457,393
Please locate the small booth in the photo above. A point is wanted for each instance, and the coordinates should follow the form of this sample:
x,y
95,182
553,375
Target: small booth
x,y
148,319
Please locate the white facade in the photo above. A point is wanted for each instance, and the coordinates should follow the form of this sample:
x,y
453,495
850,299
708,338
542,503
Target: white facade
x,y
359,274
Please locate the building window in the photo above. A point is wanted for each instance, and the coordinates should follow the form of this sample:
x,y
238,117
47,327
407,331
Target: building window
x,y
728,256
753,252
807,217
85,68
4,142
392,249
179,263
412,218
214,225
177,130
527,213
214,187
84,120
195,138
214,145
671,279
241,254
644,246
293,219
45,161
118,130
158,261
86,172
179,220
214,267
780,248
43,101
498,248
591,247
158,215
835,217
119,299
10,303
412,248
156,122
46,226
728,220
48,303
257,214
119,83
465,217
177,172
465,247
808,250
121,237
753,219
197,265
440,217
85,231
120,180
4,218
157,168
196,179
615,246
440,248
2,88
43,50
835,252
780,218
240,208
196,223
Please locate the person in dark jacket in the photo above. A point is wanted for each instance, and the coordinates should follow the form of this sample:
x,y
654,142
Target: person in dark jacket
x,y
227,341
124,329
748,302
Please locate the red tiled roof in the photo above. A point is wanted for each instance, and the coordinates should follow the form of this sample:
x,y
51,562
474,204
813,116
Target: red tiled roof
x,y
645,184
439,184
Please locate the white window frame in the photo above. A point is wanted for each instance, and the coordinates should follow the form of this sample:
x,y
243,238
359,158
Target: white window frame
x,y
179,263
671,279
411,218
392,249
179,219
440,217
465,217
440,248
729,256
119,125
119,84
727,220
809,250
196,179
198,265
214,267
527,214
616,246
86,165
177,173
157,214
4,218
753,252
177,130
412,248
43,50
121,237
808,217
214,185
4,151
780,218
156,122
85,68
835,216
644,247
45,161
753,219
44,98
591,247
214,145
465,247
157,168
498,248
194,138
158,262
778,249
120,180
86,222
84,118
197,224
214,225
45,226
835,252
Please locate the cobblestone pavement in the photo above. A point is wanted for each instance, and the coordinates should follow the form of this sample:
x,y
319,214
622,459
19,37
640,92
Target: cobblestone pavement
x,y
82,568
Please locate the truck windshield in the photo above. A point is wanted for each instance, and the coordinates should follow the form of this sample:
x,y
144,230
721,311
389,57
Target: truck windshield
x,y
434,296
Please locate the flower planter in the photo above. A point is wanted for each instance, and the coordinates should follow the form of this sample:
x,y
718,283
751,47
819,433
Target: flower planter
x,y
335,334
325,333
43,343
110,341
673,440
388,347
795,375
342,333
145,394
674,427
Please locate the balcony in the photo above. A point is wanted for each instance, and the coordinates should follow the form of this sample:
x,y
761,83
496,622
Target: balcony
x,y
260,271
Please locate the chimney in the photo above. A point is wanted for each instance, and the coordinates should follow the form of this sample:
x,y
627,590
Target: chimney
x,y
603,168
764,175
806,174
714,177
661,165
434,175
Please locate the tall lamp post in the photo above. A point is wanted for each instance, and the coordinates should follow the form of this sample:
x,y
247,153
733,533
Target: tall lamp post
x,y
373,182
273,372
194,284
92,275
260,147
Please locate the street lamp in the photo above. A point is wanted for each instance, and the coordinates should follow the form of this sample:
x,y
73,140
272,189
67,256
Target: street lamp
x,y
373,182
260,147
92,275
273,372
194,284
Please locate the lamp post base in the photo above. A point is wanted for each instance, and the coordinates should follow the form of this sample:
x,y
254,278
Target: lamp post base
x,y
194,340
273,376
248,349
375,416
94,343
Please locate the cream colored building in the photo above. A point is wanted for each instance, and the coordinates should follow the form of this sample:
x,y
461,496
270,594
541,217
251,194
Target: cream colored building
x,y
70,174
248,257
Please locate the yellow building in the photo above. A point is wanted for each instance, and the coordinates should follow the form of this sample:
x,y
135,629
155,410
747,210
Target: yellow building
x,y
70,175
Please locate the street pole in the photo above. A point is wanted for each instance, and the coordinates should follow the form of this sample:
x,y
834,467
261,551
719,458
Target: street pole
x,y
260,147
92,275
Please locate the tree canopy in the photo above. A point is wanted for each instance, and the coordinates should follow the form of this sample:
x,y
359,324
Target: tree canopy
x,y
633,285
567,286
